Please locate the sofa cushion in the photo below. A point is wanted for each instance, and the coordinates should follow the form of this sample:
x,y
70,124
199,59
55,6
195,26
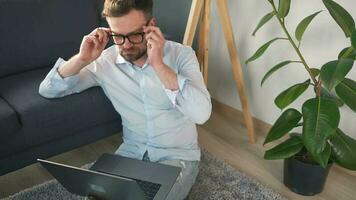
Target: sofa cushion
x,y
8,120
35,33
15,160
47,119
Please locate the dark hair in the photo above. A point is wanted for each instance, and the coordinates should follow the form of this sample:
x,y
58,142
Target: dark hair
x,y
118,8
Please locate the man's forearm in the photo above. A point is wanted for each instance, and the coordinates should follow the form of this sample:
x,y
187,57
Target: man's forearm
x,y
72,67
167,76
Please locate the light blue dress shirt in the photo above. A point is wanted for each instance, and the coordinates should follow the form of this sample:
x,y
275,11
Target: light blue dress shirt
x,y
156,120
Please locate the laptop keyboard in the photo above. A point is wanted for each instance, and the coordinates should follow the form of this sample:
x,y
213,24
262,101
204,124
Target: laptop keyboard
x,y
150,189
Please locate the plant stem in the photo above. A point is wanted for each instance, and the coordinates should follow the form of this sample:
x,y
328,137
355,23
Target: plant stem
x,y
297,61
294,45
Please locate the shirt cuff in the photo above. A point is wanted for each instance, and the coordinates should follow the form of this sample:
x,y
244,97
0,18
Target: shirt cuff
x,y
57,79
172,95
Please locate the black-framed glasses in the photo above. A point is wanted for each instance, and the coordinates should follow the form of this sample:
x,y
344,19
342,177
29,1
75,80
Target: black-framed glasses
x,y
134,38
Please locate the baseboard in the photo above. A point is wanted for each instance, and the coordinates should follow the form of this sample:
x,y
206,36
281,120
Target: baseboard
x,y
261,127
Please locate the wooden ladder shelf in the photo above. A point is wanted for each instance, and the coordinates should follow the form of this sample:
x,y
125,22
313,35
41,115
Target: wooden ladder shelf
x,y
200,12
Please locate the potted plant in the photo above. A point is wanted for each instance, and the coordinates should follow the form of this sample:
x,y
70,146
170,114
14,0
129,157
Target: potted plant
x,y
321,141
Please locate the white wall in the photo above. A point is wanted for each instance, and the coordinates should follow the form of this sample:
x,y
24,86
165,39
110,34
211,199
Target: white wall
x,y
322,42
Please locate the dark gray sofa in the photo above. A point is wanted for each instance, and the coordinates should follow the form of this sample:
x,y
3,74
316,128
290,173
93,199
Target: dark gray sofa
x,y
34,33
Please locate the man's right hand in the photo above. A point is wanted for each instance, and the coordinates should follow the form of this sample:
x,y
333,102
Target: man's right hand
x,y
93,45
91,48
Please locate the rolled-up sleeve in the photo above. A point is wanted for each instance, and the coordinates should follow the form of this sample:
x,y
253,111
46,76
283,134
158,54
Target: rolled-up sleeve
x,y
192,99
54,86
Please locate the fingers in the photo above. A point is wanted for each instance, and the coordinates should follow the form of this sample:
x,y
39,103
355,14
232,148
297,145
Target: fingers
x,y
101,33
153,29
102,37
154,37
102,29
107,30
152,44
94,40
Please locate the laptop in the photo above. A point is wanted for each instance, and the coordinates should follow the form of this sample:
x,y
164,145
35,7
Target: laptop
x,y
114,177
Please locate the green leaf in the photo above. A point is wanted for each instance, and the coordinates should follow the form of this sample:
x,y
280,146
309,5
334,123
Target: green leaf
x,y
261,50
325,93
315,72
343,150
323,157
263,21
353,38
295,134
348,52
287,149
302,26
283,8
291,94
346,90
321,118
341,16
273,69
332,73
286,122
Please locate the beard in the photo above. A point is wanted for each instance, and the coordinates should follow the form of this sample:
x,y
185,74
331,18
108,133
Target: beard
x,y
134,53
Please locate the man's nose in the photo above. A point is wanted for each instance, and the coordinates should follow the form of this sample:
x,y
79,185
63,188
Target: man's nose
x,y
127,44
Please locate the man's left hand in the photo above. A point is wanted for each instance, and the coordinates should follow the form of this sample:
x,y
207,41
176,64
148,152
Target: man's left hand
x,y
155,49
155,45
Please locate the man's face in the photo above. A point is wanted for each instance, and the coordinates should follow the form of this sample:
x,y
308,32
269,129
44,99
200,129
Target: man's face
x,y
129,24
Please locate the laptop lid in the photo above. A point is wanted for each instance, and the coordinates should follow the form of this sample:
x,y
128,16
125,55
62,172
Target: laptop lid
x,y
165,175
85,182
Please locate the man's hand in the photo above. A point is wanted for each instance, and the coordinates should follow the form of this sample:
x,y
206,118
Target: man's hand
x,y
155,50
91,48
155,45
93,45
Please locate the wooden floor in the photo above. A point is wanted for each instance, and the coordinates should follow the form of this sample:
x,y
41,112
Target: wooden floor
x,y
224,136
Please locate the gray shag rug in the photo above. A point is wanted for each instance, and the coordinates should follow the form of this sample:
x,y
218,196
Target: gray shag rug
x,y
216,181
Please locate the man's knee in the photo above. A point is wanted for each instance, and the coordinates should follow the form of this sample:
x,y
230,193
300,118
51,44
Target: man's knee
x,y
185,180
